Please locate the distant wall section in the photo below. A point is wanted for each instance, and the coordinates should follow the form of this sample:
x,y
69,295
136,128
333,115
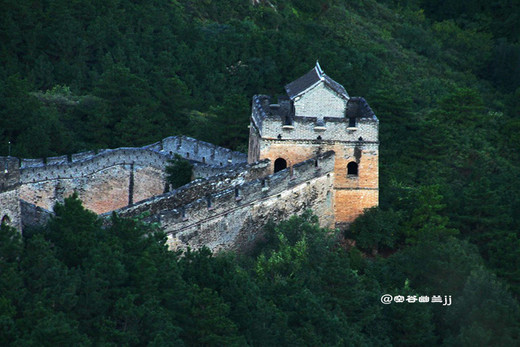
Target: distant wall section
x,y
111,179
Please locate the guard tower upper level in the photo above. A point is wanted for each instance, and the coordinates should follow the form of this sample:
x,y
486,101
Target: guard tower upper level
x,y
316,108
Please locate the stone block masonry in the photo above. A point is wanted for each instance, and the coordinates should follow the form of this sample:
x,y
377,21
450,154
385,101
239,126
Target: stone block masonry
x,y
10,212
232,218
198,189
107,179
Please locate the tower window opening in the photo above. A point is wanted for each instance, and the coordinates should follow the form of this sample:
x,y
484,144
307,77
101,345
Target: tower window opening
x,y
352,122
280,164
352,169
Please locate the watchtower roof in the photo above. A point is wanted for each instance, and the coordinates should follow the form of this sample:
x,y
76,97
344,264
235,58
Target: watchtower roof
x,y
357,107
312,78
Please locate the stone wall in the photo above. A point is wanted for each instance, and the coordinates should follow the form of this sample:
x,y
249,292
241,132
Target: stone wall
x,y
199,151
113,178
333,129
86,164
9,191
353,192
198,189
232,218
33,215
320,101
10,212
110,180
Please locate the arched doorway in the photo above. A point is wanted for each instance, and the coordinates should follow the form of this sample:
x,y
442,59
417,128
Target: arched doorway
x,y
280,164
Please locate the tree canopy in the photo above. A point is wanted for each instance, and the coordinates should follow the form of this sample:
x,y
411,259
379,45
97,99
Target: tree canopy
x,y
441,76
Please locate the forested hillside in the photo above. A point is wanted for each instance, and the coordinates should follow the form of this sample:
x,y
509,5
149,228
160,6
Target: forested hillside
x,y
442,77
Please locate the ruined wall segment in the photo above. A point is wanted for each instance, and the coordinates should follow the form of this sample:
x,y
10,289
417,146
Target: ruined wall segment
x,y
113,178
233,216
10,212
198,189
198,151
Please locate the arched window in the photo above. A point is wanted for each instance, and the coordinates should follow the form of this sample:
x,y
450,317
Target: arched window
x,y
6,219
279,164
352,169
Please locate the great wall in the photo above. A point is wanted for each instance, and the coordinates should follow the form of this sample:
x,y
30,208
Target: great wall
x,y
316,149
107,179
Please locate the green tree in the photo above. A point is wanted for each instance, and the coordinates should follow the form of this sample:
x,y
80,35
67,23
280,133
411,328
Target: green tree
x,y
179,171
375,229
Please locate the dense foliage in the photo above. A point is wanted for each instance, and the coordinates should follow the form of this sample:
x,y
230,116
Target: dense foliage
x,y
74,282
442,77
179,171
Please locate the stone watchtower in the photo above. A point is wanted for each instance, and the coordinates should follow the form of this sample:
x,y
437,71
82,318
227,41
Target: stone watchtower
x,y
316,116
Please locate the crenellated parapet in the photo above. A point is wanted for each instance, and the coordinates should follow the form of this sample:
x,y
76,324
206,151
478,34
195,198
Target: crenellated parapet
x,y
155,154
276,121
109,179
88,164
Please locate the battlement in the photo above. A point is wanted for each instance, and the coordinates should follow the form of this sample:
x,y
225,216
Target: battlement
x,y
280,122
259,188
186,147
86,165
112,178
196,150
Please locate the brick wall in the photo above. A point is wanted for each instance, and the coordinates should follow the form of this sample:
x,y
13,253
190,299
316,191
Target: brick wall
x,y
114,178
235,214
320,101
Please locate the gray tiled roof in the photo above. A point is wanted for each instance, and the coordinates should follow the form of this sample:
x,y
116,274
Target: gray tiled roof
x,y
359,108
311,78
